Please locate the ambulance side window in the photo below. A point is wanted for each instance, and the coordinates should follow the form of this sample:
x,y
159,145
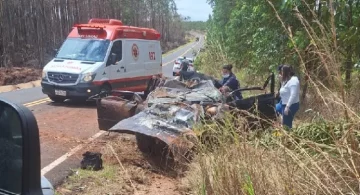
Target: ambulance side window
x,y
117,49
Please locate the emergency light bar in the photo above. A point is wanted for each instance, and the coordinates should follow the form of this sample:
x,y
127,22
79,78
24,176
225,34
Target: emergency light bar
x,y
105,21
79,26
114,30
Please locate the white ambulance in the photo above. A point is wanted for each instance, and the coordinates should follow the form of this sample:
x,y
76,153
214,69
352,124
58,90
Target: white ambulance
x,y
101,56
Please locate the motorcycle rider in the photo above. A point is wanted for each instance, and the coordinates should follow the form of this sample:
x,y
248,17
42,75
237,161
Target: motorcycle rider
x,y
184,64
183,73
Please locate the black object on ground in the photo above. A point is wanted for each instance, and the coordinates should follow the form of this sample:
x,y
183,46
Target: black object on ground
x,y
92,161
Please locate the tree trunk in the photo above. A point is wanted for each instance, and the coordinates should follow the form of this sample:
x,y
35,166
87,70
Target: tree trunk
x,y
349,51
33,27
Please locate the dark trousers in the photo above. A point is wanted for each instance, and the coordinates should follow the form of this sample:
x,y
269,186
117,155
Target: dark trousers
x,y
288,119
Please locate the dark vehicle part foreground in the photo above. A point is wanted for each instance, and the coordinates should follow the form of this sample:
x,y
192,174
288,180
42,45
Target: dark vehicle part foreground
x,y
20,152
168,114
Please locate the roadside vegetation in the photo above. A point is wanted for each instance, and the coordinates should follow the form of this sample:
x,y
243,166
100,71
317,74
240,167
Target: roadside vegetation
x,y
194,26
30,30
321,154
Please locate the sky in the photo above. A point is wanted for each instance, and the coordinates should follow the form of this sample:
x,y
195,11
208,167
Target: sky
x,y
195,9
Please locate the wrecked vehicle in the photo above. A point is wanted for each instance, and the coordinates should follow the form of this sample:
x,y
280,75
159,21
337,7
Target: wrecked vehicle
x,y
165,118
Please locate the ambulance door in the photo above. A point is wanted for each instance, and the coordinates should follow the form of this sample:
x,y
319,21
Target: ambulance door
x,y
134,59
117,69
154,58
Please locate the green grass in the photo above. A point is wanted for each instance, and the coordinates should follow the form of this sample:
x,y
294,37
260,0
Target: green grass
x,y
85,181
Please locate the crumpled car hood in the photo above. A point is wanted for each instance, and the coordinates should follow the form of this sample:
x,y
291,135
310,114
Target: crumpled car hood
x,y
200,92
171,112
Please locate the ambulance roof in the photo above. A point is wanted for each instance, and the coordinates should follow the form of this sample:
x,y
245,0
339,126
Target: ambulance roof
x,y
112,29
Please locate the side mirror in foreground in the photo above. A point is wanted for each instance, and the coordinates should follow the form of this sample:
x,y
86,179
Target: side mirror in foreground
x,y
19,151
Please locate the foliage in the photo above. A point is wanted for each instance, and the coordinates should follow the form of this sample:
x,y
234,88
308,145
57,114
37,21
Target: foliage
x,y
194,25
320,38
253,37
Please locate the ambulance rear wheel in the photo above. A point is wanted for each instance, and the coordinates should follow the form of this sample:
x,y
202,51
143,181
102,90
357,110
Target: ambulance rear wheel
x,y
57,99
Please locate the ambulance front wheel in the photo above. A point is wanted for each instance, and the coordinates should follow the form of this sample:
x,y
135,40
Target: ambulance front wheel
x,y
57,99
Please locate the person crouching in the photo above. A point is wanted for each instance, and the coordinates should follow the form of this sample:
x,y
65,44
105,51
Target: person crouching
x,y
229,82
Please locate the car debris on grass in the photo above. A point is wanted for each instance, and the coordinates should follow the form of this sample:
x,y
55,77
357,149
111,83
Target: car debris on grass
x,y
163,122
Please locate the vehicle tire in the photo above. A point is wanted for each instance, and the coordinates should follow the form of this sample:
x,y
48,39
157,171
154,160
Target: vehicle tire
x,y
155,151
145,143
174,74
57,99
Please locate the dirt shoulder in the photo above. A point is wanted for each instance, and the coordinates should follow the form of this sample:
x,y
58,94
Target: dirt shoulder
x,y
126,171
17,75
134,173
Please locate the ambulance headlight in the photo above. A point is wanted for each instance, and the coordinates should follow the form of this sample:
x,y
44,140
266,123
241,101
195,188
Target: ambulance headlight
x,y
88,77
44,75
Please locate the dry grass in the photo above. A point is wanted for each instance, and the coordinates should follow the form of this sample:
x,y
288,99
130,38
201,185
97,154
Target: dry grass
x,y
320,156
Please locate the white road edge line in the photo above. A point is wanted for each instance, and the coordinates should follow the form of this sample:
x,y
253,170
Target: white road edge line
x,y
60,160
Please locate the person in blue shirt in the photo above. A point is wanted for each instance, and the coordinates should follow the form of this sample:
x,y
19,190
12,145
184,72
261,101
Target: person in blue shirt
x,y
279,104
229,82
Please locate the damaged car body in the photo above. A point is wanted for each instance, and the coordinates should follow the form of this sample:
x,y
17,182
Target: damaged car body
x,y
169,112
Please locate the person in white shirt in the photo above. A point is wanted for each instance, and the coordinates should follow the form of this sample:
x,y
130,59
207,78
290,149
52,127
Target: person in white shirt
x,y
290,95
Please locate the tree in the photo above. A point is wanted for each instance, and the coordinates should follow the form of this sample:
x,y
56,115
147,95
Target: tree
x,y
31,29
255,39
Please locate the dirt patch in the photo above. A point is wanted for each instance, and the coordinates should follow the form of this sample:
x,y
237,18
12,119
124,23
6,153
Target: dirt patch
x,y
17,75
133,175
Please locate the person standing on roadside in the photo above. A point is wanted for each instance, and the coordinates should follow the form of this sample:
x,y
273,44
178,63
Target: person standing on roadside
x,y
290,95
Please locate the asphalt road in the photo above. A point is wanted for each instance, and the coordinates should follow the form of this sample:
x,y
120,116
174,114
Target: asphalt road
x,y
68,130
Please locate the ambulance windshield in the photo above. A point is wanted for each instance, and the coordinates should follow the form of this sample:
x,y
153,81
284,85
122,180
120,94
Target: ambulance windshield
x,y
84,49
